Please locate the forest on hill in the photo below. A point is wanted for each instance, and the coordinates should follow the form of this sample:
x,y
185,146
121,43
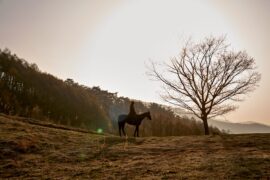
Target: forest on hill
x,y
27,91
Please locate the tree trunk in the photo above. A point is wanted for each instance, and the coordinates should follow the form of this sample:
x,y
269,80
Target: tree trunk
x,y
205,124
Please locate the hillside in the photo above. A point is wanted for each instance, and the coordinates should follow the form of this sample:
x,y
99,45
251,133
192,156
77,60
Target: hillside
x,y
42,151
27,91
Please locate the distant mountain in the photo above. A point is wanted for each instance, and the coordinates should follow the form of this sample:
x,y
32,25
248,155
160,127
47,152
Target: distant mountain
x,y
230,127
240,128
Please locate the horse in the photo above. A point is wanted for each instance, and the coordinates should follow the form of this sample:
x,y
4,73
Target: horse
x,y
136,120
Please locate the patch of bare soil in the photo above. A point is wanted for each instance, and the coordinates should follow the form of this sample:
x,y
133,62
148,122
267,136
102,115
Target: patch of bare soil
x,y
32,151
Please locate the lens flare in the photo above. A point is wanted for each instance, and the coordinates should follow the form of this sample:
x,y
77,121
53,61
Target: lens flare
x,y
99,130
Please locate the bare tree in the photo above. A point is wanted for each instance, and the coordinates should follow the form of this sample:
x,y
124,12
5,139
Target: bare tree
x,y
206,78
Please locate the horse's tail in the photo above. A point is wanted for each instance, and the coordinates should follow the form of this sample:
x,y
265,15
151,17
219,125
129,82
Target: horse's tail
x,y
121,122
119,128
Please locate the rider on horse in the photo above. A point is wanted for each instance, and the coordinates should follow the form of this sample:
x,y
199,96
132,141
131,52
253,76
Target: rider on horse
x,y
132,118
132,112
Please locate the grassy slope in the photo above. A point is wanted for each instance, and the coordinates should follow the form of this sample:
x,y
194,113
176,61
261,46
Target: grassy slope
x,y
35,151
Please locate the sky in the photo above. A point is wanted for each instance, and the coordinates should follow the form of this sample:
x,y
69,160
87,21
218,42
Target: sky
x,y
108,43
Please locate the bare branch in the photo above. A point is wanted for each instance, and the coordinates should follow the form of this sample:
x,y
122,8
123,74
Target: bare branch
x,y
207,75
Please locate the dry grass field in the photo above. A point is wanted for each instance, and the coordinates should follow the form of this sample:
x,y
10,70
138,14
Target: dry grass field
x,y
32,150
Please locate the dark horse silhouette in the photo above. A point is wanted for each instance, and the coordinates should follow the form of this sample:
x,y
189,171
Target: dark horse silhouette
x,y
135,120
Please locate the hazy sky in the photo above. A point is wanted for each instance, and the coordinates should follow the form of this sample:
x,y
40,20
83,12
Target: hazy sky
x,y
107,43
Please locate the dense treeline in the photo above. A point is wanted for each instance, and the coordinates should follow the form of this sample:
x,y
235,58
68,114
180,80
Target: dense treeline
x,y
26,91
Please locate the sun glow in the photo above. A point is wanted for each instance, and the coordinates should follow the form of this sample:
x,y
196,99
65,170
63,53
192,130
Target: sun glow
x,y
141,30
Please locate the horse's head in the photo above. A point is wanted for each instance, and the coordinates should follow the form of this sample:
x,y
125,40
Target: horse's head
x,y
148,115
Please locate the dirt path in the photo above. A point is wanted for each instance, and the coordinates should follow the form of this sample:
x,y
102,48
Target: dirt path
x,y
30,151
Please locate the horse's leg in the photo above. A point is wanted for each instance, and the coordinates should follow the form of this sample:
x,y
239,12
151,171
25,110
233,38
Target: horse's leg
x,y
135,131
119,127
123,129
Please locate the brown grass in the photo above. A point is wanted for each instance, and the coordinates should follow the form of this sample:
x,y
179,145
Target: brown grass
x,y
32,151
